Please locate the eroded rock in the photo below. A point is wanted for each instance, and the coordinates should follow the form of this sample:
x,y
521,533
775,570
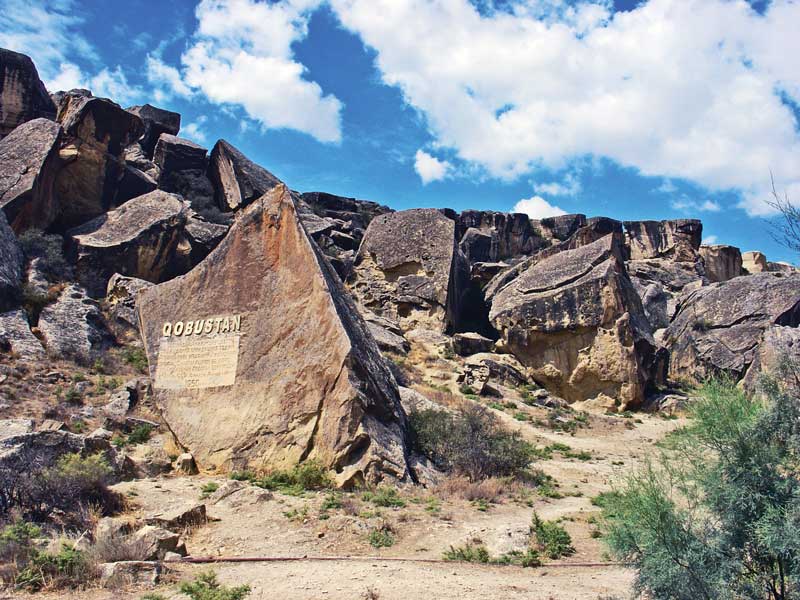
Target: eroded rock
x,y
10,266
72,327
678,239
120,303
23,96
238,180
155,121
15,334
721,262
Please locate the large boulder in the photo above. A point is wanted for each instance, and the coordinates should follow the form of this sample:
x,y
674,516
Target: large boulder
x,y
23,96
120,303
575,319
16,336
660,282
561,227
143,238
488,236
754,262
238,181
259,358
10,266
173,154
97,132
155,121
678,239
721,262
29,163
779,349
717,329
72,327
409,268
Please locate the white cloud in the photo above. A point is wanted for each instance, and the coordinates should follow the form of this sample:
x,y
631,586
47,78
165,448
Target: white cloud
x,y
114,84
166,80
242,55
681,89
569,186
709,240
68,77
667,187
537,207
687,205
194,130
429,168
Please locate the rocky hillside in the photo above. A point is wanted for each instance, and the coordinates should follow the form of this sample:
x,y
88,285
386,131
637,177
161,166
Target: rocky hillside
x,y
293,322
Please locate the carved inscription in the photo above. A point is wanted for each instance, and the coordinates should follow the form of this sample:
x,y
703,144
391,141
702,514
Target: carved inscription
x,y
199,353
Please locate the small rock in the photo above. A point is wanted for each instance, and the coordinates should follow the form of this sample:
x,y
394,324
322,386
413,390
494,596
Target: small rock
x,y
179,518
157,540
185,464
129,572
469,343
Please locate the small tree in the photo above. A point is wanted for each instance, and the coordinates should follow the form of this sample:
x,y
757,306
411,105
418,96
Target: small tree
x,y
785,229
717,514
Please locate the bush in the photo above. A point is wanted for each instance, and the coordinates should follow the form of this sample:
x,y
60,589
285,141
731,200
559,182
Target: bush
x,y
381,538
384,496
137,358
467,553
551,538
39,570
309,475
717,514
470,443
479,554
115,546
206,587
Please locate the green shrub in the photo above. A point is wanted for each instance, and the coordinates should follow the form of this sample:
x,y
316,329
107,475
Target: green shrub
x,y
208,489
140,434
529,558
551,538
381,538
470,442
467,553
309,475
67,568
467,390
136,357
384,496
716,514
206,587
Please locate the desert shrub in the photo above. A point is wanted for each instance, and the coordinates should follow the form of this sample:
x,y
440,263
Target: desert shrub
x,y
488,490
529,558
717,513
470,442
116,545
66,568
384,496
140,434
136,357
68,491
551,538
206,587
381,538
467,553
34,302
48,249
309,475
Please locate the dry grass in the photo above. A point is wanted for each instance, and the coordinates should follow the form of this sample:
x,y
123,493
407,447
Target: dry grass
x,y
489,490
440,397
115,546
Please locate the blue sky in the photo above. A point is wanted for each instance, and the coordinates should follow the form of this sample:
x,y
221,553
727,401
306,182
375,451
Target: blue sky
x,y
634,110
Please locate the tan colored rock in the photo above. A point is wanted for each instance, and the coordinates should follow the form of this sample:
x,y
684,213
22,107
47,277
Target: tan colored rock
x,y
721,262
185,464
23,96
307,380
677,239
754,262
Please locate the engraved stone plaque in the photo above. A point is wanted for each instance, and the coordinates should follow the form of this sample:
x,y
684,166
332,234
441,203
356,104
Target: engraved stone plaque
x,y
197,362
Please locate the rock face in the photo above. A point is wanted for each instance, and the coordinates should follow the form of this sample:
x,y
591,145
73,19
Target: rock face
x,y
156,121
295,373
16,336
10,266
23,96
72,327
660,283
754,262
173,154
238,181
777,345
29,163
721,262
410,269
575,319
718,328
143,238
678,239
488,236
97,132
120,303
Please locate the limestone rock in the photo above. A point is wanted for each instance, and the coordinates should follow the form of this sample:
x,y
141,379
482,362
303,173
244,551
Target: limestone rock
x,y
718,328
174,154
120,303
721,262
129,572
484,368
193,185
29,163
72,327
156,121
308,379
409,268
488,236
23,96
414,401
15,334
678,239
97,131
185,464
238,180
388,341
754,262
156,541
203,237
562,227
660,282
576,320
176,519
10,266
778,344
133,183
465,344
143,238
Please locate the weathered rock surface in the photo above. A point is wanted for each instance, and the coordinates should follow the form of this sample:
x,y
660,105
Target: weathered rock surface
x,y
16,336
410,269
485,368
29,163
120,303
97,132
718,328
721,262
72,327
778,345
129,572
576,320
133,183
308,379
143,238
387,340
173,154
238,180
155,121
465,344
23,96
677,239
10,266
754,262
488,236
562,227
660,283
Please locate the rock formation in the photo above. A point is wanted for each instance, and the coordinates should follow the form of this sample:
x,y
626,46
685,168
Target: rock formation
x,y
10,266
298,376
237,179
678,239
721,262
72,327
410,269
576,320
155,121
23,96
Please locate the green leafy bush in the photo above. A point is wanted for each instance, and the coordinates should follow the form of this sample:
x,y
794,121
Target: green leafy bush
x,y
136,357
309,475
470,442
467,553
206,587
717,514
551,538
384,496
381,538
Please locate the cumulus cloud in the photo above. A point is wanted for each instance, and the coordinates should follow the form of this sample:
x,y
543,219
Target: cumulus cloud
x,y
710,240
569,186
194,130
537,207
242,55
166,79
685,89
688,205
429,168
